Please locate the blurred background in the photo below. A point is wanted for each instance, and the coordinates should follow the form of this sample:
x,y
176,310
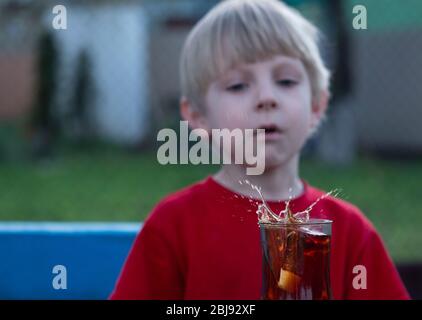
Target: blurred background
x,y
80,110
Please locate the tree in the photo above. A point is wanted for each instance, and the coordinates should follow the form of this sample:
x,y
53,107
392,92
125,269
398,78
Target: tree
x,y
82,99
43,126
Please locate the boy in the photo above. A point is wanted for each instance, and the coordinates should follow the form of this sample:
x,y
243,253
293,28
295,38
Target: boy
x,y
250,64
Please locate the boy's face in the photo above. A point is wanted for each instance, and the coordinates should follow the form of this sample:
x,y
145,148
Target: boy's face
x,y
270,94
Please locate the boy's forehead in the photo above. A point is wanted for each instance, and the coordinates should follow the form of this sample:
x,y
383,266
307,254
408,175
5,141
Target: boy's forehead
x,y
277,61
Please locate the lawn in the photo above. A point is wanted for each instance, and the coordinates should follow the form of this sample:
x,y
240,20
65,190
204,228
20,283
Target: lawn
x,y
110,185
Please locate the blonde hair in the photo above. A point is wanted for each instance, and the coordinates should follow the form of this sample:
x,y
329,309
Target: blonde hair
x,y
246,31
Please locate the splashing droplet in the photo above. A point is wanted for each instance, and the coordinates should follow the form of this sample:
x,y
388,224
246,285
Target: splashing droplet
x,y
266,215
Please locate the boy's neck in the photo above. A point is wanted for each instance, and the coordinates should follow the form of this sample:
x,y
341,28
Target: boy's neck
x,y
275,182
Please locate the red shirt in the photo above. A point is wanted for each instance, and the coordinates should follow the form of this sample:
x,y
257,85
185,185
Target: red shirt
x,y
203,242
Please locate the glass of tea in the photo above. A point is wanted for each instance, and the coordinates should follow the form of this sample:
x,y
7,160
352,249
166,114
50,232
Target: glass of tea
x,y
296,260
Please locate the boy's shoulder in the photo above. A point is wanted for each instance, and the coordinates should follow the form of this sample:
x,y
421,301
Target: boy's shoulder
x,y
181,202
185,195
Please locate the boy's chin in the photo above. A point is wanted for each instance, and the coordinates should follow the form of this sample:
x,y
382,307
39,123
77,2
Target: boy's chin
x,y
274,160
271,163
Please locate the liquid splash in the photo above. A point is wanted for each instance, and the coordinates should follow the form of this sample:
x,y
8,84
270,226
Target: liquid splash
x,y
266,215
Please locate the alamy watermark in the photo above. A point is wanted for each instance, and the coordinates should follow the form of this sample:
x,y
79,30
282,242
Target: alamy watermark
x,y
60,17
360,20
60,279
238,146
360,280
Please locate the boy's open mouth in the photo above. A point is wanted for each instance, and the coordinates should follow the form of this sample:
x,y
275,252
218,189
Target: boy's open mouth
x,y
271,131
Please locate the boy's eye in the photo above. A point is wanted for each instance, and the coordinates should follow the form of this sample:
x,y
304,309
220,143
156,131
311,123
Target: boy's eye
x,y
287,82
237,87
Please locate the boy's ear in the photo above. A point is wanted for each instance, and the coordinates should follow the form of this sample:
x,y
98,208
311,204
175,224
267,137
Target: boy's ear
x,y
193,115
319,108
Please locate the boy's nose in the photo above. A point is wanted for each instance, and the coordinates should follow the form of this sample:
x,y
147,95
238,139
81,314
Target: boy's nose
x,y
267,104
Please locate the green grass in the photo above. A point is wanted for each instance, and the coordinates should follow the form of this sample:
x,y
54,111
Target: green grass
x,y
387,192
106,187
119,186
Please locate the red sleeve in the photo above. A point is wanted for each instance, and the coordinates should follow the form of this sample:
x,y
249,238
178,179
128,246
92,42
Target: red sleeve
x,y
151,271
383,280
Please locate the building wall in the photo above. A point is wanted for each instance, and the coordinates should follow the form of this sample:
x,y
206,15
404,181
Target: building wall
x,y
19,29
388,95
165,49
115,37
17,84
